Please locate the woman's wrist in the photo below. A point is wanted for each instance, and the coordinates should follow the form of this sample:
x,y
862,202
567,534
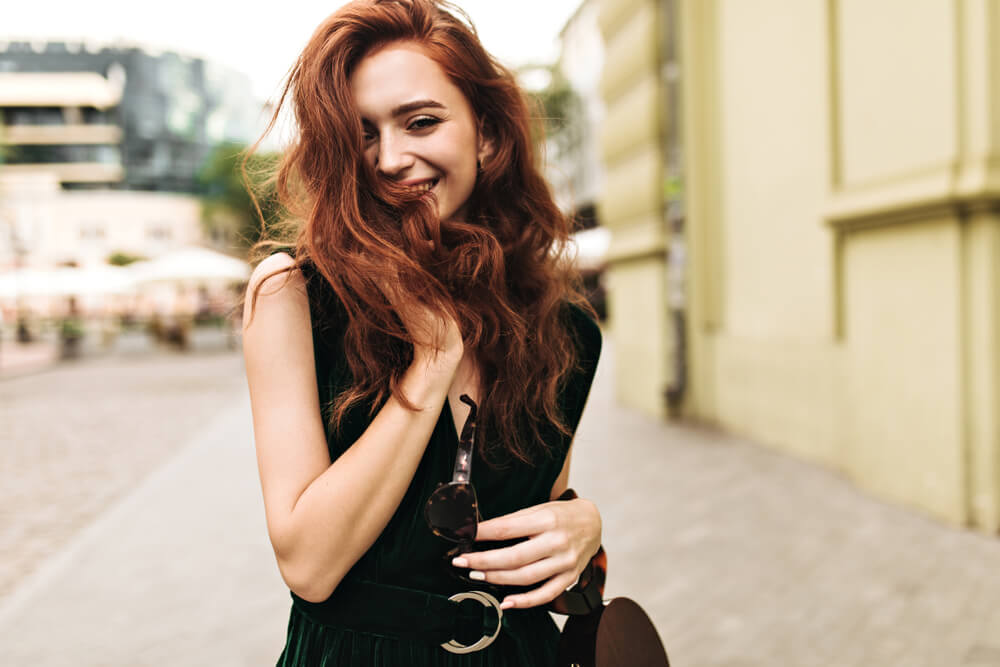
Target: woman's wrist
x,y
428,378
437,360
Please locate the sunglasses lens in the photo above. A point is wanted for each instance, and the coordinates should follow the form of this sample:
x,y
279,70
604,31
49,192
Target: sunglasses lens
x,y
451,512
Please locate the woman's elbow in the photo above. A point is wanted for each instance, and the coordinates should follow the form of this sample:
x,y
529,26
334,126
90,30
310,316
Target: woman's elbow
x,y
311,583
310,577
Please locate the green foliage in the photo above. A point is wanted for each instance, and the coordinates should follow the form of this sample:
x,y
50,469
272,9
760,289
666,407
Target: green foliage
x,y
559,102
71,328
561,109
119,258
228,209
673,188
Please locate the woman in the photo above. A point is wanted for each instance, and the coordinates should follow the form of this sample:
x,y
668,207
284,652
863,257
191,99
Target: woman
x,y
424,295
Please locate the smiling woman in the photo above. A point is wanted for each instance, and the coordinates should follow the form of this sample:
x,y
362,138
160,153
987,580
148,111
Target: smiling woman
x,y
425,275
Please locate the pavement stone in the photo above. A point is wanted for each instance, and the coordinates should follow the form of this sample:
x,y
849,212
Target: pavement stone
x,y
177,571
742,556
18,358
78,435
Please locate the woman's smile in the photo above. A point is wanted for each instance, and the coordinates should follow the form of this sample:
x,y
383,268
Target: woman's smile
x,y
422,186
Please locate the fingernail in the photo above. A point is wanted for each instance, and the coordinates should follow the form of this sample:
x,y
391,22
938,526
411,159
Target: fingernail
x,y
459,562
506,604
477,575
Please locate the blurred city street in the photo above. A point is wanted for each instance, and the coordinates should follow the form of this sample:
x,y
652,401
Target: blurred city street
x,y
132,533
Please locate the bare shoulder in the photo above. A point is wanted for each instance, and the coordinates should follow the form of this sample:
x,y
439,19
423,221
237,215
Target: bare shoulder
x,y
274,273
275,279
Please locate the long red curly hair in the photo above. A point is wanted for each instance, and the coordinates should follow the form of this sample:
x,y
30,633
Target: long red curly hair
x,y
503,273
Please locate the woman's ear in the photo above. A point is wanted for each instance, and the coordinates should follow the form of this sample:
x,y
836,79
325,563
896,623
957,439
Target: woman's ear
x,y
485,147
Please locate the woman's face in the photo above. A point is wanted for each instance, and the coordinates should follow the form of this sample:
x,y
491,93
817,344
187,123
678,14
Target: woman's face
x,y
419,129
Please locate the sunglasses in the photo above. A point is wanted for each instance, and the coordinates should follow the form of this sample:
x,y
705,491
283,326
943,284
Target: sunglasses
x,y
452,510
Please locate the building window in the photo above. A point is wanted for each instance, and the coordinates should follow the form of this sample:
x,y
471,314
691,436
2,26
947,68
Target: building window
x,y
159,232
34,116
92,231
56,154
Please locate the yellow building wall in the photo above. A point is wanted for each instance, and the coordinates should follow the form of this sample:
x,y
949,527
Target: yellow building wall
x,y
981,359
844,226
902,328
632,203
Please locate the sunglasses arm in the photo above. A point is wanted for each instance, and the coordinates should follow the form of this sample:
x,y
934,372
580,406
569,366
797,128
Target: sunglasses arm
x,y
463,460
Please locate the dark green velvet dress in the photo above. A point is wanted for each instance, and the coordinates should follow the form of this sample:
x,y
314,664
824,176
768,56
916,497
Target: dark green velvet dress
x,y
406,553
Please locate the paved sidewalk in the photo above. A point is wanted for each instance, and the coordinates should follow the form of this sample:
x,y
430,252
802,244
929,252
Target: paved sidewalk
x,y
18,358
179,572
744,558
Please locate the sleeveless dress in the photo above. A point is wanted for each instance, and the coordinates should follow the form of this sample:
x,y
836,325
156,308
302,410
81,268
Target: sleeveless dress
x,y
407,554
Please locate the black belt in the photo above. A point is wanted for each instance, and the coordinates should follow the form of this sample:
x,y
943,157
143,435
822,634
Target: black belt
x,y
462,623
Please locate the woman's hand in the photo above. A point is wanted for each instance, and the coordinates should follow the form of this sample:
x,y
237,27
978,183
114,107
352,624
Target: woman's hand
x,y
433,333
562,537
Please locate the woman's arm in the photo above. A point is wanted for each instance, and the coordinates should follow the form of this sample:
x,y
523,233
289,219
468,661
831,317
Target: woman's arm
x,y
323,516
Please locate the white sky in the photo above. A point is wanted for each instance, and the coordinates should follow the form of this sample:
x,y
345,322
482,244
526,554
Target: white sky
x,y
263,39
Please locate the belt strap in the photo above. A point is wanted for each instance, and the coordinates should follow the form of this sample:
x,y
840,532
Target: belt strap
x,y
402,613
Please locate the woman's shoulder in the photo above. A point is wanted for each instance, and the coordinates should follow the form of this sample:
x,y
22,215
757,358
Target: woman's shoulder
x,y
273,276
327,312
585,329
281,267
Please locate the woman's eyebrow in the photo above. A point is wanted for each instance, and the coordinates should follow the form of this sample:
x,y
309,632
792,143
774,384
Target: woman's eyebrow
x,y
413,106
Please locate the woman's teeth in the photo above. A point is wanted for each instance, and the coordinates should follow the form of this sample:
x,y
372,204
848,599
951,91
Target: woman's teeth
x,y
423,187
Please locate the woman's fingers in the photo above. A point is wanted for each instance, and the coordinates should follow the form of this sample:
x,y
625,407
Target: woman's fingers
x,y
512,557
529,574
523,523
544,594
431,330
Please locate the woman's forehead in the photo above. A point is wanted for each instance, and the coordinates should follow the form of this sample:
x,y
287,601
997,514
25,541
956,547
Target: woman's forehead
x,y
397,75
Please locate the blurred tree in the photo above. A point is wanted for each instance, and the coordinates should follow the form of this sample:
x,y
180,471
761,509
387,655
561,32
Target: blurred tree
x,y
559,102
228,212
120,258
561,107
562,114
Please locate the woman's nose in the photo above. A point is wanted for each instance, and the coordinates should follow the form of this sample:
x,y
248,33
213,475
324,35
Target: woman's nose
x,y
392,157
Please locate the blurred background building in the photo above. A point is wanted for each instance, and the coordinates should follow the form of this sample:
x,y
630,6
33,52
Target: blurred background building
x,y
574,111
830,169
103,155
155,115
102,146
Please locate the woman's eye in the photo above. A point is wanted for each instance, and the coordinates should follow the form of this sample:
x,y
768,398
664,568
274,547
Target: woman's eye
x,y
423,123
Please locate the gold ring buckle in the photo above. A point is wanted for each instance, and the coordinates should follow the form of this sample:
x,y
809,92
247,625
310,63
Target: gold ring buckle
x,y
487,600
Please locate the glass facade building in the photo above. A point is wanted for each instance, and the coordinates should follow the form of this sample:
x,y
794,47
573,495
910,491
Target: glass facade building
x,y
171,110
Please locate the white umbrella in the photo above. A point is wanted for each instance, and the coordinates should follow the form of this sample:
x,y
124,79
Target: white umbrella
x,y
66,281
191,265
98,279
26,282
592,248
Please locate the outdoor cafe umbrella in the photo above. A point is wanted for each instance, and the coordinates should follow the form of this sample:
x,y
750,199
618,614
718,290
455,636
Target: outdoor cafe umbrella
x,y
592,248
66,281
191,265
